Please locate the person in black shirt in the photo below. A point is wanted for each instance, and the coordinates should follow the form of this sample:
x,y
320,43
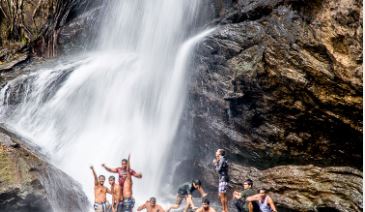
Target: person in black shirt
x,y
221,166
185,192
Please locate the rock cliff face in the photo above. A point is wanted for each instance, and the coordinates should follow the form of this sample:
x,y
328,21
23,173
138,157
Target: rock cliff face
x,y
27,183
279,83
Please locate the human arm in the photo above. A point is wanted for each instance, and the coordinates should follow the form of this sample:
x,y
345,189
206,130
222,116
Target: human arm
x,y
271,203
141,207
109,191
255,197
96,181
219,164
112,170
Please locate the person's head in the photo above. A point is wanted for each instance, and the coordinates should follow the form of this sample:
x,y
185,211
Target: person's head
x,y
247,184
101,179
206,204
111,180
220,153
124,163
262,192
196,183
153,201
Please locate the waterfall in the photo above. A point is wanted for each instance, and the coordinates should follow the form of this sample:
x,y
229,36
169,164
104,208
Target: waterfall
x,y
125,97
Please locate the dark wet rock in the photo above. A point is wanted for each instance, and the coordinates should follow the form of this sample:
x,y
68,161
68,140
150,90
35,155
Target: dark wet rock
x,y
25,181
279,84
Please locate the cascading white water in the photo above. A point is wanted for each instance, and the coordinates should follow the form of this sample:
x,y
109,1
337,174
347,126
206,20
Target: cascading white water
x,y
126,97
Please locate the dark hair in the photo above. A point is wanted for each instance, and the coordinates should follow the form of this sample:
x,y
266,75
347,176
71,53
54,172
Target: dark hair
x,y
248,181
153,199
222,152
102,176
111,177
262,189
125,160
206,201
197,182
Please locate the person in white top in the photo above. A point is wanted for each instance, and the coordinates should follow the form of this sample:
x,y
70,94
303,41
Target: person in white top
x,y
264,201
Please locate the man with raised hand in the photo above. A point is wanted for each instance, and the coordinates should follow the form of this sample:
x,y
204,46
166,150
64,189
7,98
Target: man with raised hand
x,y
128,200
101,204
151,206
122,172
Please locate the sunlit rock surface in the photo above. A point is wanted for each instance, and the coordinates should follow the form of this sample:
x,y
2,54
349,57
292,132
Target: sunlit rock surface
x,y
279,84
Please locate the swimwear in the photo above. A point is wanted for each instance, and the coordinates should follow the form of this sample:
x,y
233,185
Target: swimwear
x,y
102,207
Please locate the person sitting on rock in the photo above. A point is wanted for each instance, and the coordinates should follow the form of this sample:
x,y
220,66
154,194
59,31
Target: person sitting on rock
x,y
205,207
240,198
185,192
151,206
101,204
117,196
264,201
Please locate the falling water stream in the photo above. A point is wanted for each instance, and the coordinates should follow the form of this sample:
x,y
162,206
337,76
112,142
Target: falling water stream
x,y
125,97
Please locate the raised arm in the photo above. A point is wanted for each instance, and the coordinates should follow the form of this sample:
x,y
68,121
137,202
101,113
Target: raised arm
x,y
112,170
141,207
272,205
95,177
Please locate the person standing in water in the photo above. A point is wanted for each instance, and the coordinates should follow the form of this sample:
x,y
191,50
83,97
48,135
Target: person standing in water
x,y
185,192
205,207
122,172
116,194
128,200
101,204
264,201
151,206
221,166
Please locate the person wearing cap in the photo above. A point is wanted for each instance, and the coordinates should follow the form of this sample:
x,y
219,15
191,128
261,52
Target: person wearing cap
x,y
240,198
151,206
185,192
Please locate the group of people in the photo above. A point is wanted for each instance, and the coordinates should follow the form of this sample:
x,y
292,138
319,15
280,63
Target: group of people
x,y
123,201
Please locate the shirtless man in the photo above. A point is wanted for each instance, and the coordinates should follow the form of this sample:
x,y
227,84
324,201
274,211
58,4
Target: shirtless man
x,y
205,207
101,205
122,172
128,200
117,196
151,206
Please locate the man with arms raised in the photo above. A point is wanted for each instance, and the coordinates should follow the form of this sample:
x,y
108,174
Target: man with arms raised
x,y
101,205
128,200
122,172
151,206
117,196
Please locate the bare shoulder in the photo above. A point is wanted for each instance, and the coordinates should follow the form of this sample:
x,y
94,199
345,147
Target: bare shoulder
x,y
212,210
